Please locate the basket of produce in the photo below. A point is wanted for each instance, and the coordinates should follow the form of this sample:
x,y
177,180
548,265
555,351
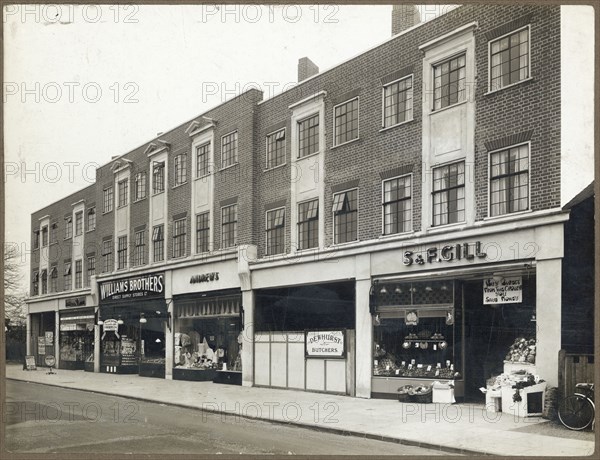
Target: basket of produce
x,y
422,394
404,393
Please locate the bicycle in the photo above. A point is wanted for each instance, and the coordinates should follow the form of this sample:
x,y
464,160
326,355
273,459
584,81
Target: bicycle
x,y
578,411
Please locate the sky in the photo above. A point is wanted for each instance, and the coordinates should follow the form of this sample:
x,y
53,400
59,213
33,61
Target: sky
x,y
86,83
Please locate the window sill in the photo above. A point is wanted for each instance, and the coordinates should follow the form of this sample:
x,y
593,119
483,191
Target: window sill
x,y
308,156
442,228
448,107
507,216
228,167
90,230
344,143
387,128
121,206
342,245
139,199
179,185
275,167
388,236
158,193
203,178
494,91
107,212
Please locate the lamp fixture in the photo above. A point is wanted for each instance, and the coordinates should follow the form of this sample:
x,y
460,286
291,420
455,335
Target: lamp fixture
x,y
398,290
383,290
100,322
428,288
158,340
143,319
443,287
119,321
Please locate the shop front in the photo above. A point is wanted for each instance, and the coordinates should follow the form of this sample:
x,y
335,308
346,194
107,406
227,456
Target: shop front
x,y
133,317
42,335
76,336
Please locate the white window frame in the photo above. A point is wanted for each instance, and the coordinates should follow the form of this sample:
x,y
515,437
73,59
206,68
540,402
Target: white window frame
x,y
489,66
412,203
311,114
297,224
136,180
88,213
185,234
431,192
334,143
110,202
438,62
412,98
357,215
267,167
237,229
266,230
181,161
237,149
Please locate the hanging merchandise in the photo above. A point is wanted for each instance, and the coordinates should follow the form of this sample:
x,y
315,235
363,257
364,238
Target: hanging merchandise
x,y
412,318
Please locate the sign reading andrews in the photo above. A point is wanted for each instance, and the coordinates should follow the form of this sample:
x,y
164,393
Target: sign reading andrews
x,y
151,285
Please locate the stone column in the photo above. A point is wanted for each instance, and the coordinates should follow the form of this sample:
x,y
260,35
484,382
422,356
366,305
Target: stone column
x,y
248,339
56,337
364,327
169,342
28,347
97,333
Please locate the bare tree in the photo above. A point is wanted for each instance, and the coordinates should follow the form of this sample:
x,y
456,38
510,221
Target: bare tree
x,y
14,296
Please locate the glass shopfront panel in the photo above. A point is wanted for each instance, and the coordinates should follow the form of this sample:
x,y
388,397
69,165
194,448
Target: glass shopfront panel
x,y
76,340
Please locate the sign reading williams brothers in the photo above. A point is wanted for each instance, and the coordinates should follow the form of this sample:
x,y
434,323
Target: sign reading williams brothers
x,y
137,287
324,344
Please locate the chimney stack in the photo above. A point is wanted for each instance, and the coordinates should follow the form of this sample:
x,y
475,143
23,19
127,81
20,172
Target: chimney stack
x,y
306,69
404,16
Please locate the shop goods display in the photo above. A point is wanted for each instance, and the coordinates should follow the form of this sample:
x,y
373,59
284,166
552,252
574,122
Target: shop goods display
x,y
443,392
418,394
523,350
515,392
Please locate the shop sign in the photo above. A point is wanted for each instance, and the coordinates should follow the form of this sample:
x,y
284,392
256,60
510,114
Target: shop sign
x,y
204,278
324,344
75,302
503,290
49,335
50,360
41,346
467,251
137,287
30,363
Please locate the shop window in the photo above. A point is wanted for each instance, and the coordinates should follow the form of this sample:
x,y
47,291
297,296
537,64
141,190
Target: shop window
x,y
68,227
122,253
108,199
414,330
78,223
202,160
140,186
180,169
202,232
179,235
76,340
35,283
509,180
449,82
53,233
158,243
123,192
449,194
509,59
68,277
229,220
139,251
36,239
78,274
397,102
91,219
45,235
308,136
346,121
308,224
91,270
158,177
53,279
275,231
229,149
276,149
397,205
345,216
108,261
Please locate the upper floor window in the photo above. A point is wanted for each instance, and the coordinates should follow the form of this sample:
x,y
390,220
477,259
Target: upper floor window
x,y
35,283
140,185
53,279
202,159
449,194
78,223
53,233
345,216
108,261
91,219
276,149
68,227
275,228
308,136
180,169
397,102
509,180
158,177
308,224
36,239
45,235
229,149
158,243
509,59
397,205
108,199
179,233
139,251
78,274
123,191
44,282
91,270
122,253
202,232
229,219
346,121
68,278
449,82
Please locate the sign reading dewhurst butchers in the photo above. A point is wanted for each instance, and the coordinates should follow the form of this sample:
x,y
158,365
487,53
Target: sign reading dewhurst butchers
x,y
324,344
134,288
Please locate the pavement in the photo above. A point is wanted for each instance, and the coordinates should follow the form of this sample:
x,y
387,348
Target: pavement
x,y
453,428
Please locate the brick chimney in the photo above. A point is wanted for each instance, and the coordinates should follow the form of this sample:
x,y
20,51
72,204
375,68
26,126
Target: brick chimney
x,y
306,69
403,17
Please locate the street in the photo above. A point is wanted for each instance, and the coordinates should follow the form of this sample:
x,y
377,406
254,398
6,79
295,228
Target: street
x,y
46,419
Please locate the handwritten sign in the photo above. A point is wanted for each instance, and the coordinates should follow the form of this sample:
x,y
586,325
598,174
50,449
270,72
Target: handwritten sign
x,y
503,290
30,363
324,344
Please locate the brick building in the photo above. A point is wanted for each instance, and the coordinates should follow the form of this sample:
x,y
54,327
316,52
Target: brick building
x,y
406,202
